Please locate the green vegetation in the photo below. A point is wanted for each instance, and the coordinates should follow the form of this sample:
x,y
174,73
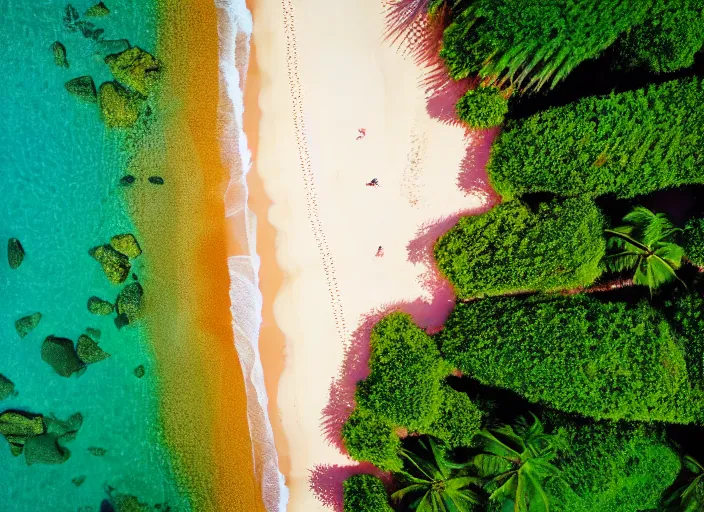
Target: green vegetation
x,y
645,244
365,493
368,438
511,249
533,43
624,144
690,497
668,39
432,482
614,468
694,241
483,107
577,354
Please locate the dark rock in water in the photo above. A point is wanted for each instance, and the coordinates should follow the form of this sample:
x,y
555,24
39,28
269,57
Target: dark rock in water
x,y
98,306
127,180
121,321
15,253
82,87
126,244
78,481
18,426
45,449
118,106
70,17
59,51
135,68
129,302
139,371
98,452
98,10
106,506
60,354
115,264
111,46
156,180
93,332
7,387
88,350
97,33
26,324
65,430
134,277
86,27
127,503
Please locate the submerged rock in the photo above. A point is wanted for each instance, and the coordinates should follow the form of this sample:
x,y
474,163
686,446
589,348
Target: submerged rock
x,y
78,481
98,452
45,449
59,51
139,371
98,10
70,17
82,87
111,46
87,28
115,264
18,426
118,106
26,324
98,306
7,387
60,354
156,180
15,253
127,503
88,350
126,244
129,304
93,332
135,68
128,179
65,430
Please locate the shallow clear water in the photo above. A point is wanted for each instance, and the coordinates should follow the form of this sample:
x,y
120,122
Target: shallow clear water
x,y
59,194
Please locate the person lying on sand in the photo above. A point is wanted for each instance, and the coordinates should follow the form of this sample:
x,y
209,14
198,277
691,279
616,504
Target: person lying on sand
x,y
362,133
373,183
380,252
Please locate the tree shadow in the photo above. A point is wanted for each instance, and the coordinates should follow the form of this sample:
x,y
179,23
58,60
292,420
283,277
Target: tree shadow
x,y
473,178
326,481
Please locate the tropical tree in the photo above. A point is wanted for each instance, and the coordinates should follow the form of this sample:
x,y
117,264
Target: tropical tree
x,y
691,495
517,461
435,483
645,243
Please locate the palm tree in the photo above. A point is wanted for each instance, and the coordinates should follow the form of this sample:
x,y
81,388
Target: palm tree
x,y
517,461
434,483
645,244
690,495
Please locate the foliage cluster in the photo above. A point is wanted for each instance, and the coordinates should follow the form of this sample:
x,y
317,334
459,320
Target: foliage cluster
x,y
531,43
483,107
624,144
577,354
365,493
694,241
511,248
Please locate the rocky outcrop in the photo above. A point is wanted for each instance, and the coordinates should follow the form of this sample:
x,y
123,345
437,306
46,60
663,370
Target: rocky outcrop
x,y
45,449
7,387
18,426
118,106
98,10
115,264
129,304
98,306
139,371
135,68
26,324
15,253
127,179
83,88
156,180
93,332
111,46
88,350
60,354
126,244
59,51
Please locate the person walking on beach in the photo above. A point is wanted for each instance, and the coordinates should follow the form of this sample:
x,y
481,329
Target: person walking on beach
x,y
380,252
362,133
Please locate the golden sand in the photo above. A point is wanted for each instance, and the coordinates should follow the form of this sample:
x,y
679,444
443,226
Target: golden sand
x,y
185,238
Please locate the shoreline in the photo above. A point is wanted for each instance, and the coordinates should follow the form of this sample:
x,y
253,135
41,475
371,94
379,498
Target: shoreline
x,y
187,292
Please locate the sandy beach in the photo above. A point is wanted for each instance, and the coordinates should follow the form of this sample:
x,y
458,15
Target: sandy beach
x,y
324,72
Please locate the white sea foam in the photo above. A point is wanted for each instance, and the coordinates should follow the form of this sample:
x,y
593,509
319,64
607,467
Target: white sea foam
x,y
235,30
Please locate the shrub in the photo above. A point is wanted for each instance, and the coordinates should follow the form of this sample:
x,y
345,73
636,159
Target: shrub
x,y
614,468
694,241
369,438
534,42
405,376
510,248
576,354
483,107
624,144
365,493
459,420
668,39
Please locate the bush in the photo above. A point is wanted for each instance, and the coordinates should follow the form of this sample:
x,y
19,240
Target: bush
x,y
369,438
534,42
483,107
576,354
668,39
694,241
614,468
459,420
510,248
365,493
624,144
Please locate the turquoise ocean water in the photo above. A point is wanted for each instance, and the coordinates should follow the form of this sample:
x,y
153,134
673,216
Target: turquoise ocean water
x,y
59,194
